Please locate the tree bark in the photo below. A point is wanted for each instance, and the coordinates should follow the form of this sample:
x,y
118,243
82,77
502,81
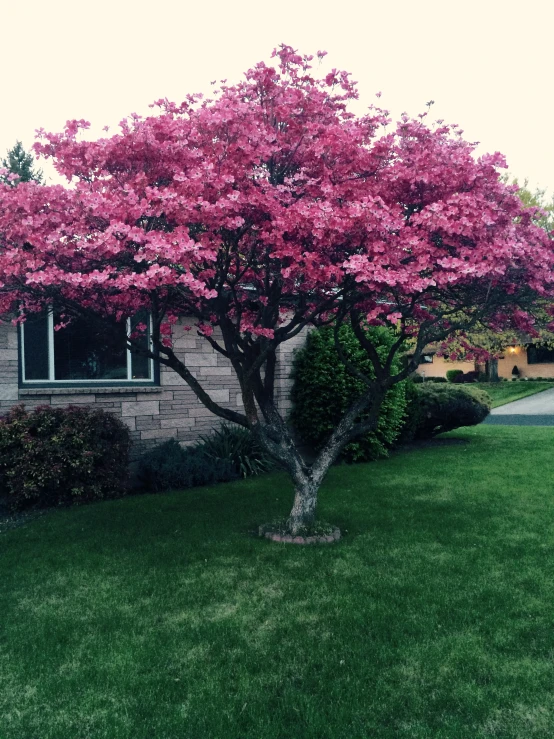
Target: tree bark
x,y
304,506
492,370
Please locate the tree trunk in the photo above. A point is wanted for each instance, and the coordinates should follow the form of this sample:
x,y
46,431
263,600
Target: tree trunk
x,y
304,506
492,370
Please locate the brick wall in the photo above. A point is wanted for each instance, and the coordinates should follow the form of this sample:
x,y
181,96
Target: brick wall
x,y
153,414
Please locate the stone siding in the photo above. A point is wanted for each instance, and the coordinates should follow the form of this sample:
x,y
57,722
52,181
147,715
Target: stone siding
x,y
152,413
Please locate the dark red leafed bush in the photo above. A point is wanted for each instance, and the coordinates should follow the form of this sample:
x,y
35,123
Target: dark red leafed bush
x,y
57,456
466,377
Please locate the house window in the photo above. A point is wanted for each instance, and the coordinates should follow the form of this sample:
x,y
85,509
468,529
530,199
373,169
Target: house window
x,y
82,352
426,359
537,354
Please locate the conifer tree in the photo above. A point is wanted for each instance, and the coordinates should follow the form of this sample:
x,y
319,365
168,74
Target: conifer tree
x,y
20,163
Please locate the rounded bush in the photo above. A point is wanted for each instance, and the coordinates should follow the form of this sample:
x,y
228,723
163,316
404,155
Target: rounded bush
x,y
434,409
323,390
57,456
453,373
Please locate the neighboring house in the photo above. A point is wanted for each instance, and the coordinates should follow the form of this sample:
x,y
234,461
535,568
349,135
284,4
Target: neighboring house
x,y
80,366
531,360
433,366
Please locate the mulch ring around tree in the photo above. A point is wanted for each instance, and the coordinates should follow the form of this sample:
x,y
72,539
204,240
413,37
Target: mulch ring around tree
x,y
324,534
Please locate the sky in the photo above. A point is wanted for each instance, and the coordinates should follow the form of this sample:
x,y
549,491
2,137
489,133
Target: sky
x,y
487,64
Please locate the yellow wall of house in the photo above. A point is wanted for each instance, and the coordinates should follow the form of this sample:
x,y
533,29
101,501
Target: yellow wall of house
x,y
513,356
517,356
440,366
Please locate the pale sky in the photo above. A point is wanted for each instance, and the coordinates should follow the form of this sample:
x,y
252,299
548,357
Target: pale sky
x,y
487,65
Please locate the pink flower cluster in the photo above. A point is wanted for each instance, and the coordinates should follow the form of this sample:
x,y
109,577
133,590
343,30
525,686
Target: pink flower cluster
x,y
269,201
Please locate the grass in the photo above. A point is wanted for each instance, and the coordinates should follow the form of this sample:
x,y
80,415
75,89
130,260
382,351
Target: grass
x,y
160,616
506,392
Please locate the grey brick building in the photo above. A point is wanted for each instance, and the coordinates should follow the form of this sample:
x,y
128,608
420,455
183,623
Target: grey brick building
x,y
157,407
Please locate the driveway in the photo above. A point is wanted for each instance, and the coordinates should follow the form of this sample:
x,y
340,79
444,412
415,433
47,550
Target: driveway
x,y
536,410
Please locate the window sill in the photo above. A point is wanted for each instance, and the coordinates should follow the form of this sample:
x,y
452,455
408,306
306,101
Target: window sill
x,y
88,390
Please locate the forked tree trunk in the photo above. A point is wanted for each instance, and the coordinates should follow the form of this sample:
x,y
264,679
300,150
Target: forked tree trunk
x,y
304,506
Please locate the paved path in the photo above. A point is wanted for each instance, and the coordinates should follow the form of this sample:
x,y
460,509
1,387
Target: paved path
x,y
536,410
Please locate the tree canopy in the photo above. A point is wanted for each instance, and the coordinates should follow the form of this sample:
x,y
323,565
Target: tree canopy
x,y
268,209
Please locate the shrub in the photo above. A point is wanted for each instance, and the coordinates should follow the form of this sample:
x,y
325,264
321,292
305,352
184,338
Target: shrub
x,y
411,414
236,445
419,379
57,456
433,410
472,376
323,390
453,373
169,465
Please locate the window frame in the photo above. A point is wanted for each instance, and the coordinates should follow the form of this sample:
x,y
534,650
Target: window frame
x,y
153,381
536,349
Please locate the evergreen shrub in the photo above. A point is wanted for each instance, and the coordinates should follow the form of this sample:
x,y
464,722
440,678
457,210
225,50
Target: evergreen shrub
x,y
453,373
57,456
323,390
434,409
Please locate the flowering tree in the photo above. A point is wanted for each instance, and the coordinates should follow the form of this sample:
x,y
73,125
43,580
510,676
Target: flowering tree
x,y
266,210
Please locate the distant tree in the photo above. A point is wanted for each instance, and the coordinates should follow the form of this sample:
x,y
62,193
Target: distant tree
x,y
536,199
20,163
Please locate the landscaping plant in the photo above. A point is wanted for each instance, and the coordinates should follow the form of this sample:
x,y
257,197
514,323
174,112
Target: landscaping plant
x,y
237,446
169,466
433,409
55,456
453,373
324,389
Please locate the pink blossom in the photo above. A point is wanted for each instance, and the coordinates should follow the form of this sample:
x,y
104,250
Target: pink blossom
x,y
182,212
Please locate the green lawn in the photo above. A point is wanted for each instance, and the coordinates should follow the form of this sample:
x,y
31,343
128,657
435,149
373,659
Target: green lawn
x,y
161,617
505,392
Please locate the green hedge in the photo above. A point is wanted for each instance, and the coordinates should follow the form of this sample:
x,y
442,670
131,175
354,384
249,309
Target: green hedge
x,y
323,390
433,409
453,373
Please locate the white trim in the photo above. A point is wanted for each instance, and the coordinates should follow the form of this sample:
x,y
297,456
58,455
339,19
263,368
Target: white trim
x,y
51,360
128,352
22,350
51,367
